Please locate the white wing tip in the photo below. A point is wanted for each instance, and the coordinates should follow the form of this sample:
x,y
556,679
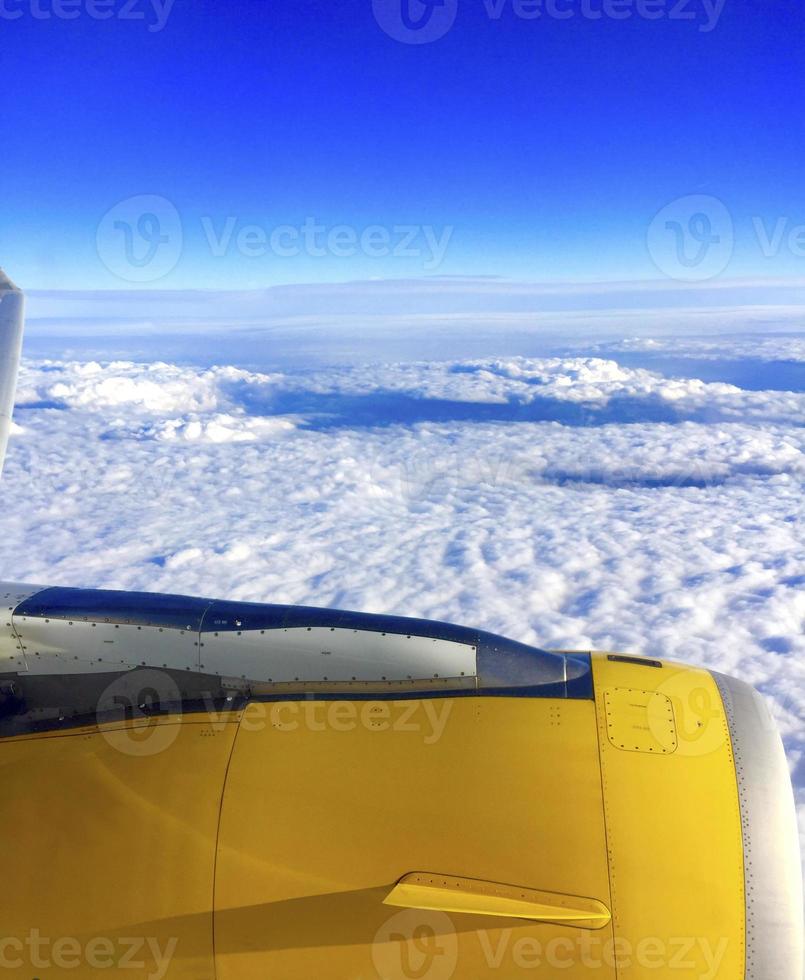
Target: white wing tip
x,y
6,285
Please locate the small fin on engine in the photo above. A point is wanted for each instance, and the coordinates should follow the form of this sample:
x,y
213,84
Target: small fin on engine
x,y
12,311
444,893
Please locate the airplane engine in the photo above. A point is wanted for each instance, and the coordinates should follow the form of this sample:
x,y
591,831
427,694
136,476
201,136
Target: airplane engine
x,y
196,789
281,791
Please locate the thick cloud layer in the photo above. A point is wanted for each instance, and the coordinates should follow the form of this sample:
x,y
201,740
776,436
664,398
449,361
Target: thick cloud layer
x,y
568,502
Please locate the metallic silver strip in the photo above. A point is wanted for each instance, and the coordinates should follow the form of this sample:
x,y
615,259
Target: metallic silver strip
x,y
774,906
12,305
316,653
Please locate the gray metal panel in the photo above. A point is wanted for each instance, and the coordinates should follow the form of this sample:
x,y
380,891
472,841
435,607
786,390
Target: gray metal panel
x,y
12,658
774,936
12,304
55,646
319,653
286,644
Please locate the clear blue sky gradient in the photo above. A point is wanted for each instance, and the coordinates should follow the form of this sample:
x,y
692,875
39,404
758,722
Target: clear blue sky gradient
x,y
548,146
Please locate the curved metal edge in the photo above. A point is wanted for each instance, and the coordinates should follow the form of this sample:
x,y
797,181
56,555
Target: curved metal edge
x,y
15,593
772,869
12,315
12,654
504,667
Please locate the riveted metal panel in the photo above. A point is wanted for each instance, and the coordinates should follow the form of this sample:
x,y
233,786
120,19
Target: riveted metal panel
x,y
674,832
74,631
640,721
317,654
235,616
125,608
774,942
71,646
12,658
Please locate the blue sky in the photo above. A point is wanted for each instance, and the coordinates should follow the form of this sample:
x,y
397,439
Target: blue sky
x,y
532,148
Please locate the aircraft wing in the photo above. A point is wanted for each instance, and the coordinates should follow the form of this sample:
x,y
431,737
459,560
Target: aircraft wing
x,y
12,305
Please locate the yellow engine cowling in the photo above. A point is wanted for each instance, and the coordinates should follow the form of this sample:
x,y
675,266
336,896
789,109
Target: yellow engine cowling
x,y
430,837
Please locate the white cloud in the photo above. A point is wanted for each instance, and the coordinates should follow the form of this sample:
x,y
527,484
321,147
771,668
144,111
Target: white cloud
x,y
568,502
155,388
218,428
755,348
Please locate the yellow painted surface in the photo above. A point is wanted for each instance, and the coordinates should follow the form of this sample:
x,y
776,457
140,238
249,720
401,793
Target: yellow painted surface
x,y
443,893
640,721
111,839
673,824
108,850
327,807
